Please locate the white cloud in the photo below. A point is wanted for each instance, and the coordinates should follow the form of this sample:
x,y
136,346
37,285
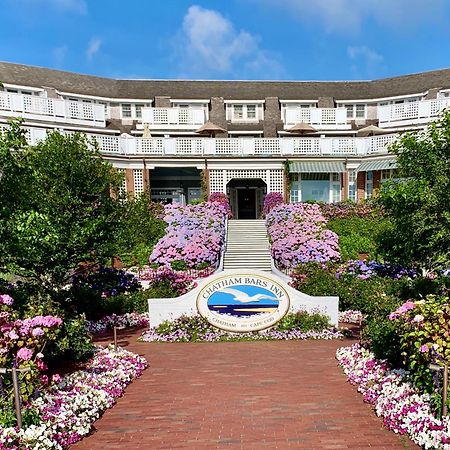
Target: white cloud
x,y
347,16
73,6
366,61
209,44
93,47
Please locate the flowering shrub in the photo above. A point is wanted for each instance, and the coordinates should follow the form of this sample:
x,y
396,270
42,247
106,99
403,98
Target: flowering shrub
x,y
194,238
270,201
22,342
220,197
348,209
351,316
71,404
298,235
164,279
424,330
364,270
124,320
402,408
107,281
196,328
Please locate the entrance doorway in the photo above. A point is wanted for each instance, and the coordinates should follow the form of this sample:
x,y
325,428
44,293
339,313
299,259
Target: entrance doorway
x,y
246,197
246,203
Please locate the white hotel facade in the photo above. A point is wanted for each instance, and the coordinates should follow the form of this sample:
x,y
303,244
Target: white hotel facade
x,y
147,130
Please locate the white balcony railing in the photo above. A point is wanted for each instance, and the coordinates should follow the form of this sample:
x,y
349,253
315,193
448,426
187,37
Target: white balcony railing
x,y
55,110
411,113
175,118
320,118
244,147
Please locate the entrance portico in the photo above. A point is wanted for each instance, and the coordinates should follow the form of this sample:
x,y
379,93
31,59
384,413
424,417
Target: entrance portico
x,y
246,197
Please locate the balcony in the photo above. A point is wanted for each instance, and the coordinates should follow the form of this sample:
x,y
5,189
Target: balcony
x,y
234,147
320,118
174,118
412,113
50,109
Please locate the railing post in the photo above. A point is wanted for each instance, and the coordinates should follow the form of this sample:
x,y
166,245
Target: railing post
x,y
445,393
17,400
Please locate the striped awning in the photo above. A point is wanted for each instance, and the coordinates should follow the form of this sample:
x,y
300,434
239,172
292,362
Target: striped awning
x,y
316,167
380,164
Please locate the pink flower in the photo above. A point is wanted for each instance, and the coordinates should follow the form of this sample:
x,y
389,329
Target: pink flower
x,y
5,299
56,378
37,332
424,348
13,335
418,318
25,354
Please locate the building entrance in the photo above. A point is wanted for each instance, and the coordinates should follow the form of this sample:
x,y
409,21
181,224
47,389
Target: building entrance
x,y
246,197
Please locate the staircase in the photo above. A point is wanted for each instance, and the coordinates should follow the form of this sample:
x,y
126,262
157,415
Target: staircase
x,y
247,246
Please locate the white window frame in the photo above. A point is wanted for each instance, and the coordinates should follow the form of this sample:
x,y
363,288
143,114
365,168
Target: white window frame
x,y
352,111
232,107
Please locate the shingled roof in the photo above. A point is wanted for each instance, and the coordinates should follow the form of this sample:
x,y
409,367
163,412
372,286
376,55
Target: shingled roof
x,y
243,90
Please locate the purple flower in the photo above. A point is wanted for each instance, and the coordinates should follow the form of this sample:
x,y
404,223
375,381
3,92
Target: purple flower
x,y
424,348
37,332
6,299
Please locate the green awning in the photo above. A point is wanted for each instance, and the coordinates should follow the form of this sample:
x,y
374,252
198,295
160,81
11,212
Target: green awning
x,y
316,167
368,166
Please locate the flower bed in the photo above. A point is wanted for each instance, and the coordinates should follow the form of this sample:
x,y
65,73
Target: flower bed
x,y
364,270
298,235
403,409
194,238
127,320
351,316
197,329
70,405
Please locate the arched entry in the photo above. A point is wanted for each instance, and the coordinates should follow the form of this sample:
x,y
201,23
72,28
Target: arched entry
x,y
246,197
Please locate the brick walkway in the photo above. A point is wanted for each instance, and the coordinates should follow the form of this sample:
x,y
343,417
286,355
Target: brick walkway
x,y
241,395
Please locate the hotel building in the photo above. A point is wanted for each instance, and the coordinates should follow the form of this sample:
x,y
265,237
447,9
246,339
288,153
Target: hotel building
x,y
258,134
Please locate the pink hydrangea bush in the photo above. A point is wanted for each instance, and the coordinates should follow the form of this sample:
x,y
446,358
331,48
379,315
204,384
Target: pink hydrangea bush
x,y
220,197
71,404
298,235
403,409
195,235
270,201
22,342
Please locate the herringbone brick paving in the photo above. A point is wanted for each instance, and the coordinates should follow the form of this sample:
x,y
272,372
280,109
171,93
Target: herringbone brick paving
x,y
240,395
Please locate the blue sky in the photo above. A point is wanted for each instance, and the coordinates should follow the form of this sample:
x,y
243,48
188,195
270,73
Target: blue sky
x,y
230,39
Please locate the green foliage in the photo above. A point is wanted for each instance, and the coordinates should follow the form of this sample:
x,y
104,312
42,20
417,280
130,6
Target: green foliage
x,y
162,289
179,265
140,229
61,211
418,205
74,342
358,235
304,321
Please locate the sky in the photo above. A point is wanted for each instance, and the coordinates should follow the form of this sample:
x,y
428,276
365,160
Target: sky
x,y
228,39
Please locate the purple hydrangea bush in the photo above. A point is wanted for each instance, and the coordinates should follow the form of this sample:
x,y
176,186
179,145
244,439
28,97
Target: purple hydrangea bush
x,y
298,235
195,235
270,201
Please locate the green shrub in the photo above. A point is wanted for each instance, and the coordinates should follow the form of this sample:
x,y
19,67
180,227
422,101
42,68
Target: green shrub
x,y
358,235
304,321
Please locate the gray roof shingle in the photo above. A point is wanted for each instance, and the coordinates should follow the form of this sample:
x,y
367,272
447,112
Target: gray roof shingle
x,y
230,90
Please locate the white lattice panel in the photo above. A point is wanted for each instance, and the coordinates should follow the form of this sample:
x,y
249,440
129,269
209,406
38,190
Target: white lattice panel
x,y
380,143
123,186
5,101
138,178
276,181
306,146
344,146
150,146
216,181
38,105
328,115
189,146
228,147
267,146
108,144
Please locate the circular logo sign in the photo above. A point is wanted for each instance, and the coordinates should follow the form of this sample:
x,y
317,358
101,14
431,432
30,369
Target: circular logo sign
x,y
243,303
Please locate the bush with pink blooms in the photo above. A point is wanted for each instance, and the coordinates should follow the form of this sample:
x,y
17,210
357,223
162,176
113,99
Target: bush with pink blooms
x,y
220,197
22,344
424,330
270,201
298,235
194,238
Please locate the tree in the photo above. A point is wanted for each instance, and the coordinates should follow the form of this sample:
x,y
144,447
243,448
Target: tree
x,y
56,206
418,203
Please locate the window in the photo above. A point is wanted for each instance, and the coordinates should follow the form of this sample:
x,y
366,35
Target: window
x,y
138,110
238,112
356,111
369,184
335,187
352,185
126,110
251,111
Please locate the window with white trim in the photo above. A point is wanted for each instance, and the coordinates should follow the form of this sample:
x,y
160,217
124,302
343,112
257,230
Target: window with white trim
x,y
126,110
244,112
335,180
369,184
357,111
352,185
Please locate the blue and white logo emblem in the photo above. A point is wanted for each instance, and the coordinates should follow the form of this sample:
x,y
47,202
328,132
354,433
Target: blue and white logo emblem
x,y
243,303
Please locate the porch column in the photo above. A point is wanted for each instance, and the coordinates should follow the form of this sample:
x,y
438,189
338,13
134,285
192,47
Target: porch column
x,y
344,186
361,186
129,178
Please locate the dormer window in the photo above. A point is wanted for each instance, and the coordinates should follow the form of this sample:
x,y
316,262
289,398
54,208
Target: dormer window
x,y
126,110
245,111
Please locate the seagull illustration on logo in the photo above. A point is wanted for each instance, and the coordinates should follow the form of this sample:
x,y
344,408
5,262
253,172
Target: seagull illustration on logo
x,y
242,297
